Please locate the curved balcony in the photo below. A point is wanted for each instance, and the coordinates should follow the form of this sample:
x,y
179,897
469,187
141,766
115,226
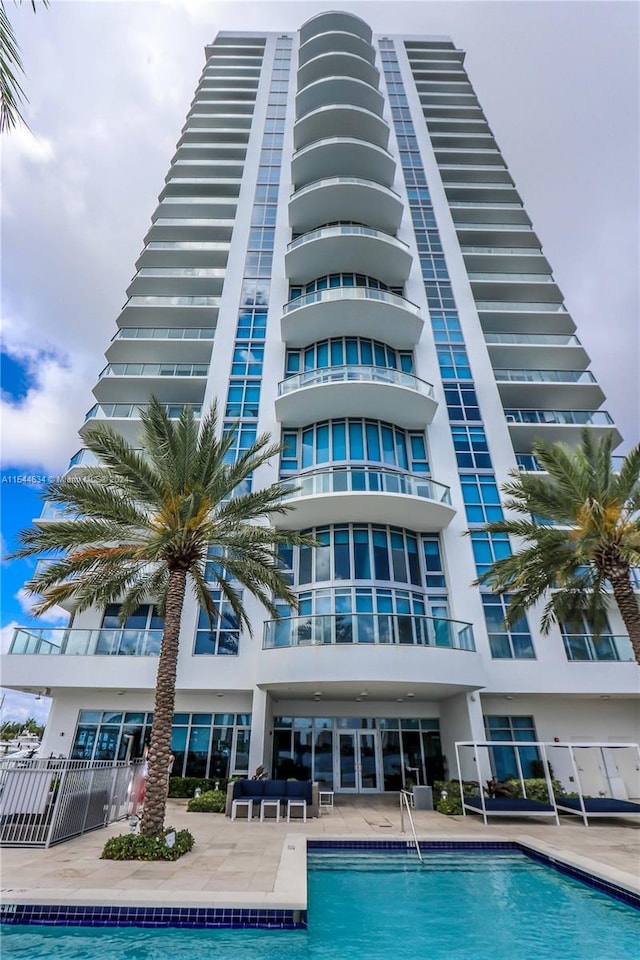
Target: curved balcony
x,y
335,20
357,493
342,157
557,387
526,426
341,120
338,63
349,248
334,652
335,40
355,311
345,90
355,391
345,198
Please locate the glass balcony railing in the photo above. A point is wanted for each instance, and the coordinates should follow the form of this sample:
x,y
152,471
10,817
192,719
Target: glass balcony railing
x,y
86,458
338,181
518,306
502,251
581,647
86,643
149,301
352,293
533,339
367,479
322,375
513,277
205,272
479,204
368,628
164,333
154,370
544,376
596,418
529,463
186,244
345,230
104,411
484,227
55,511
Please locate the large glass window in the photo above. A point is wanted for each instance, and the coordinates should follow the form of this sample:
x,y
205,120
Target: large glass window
x,y
222,637
353,441
340,280
340,351
364,553
515,643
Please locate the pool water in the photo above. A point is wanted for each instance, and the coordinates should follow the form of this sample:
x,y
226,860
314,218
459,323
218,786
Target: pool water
x,y
490,906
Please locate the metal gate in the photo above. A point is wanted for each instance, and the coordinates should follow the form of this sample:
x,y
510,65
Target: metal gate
x,y
43,802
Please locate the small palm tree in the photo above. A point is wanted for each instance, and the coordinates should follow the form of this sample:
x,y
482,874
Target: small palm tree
x,y
11,93
146,522
580,531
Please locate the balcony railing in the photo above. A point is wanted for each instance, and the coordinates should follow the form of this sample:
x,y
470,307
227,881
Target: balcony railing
x,y
368,628
334,181
345,230
529,463
595,418
177,301
544,376
581,647
322,375
86,643
352,293
154,370
502,251
533,339
368,479
164,333
513,277
520,306
103,411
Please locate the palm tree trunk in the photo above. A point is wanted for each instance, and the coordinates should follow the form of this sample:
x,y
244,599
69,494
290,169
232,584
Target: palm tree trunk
x,y
157,787
627,605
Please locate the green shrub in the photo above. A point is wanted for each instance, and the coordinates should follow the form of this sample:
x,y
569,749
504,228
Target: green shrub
x,y
212,801
135,846
185,787
451,805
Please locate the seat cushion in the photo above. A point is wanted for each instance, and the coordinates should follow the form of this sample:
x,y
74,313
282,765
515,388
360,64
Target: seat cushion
x,y
297,790
275,788
249,789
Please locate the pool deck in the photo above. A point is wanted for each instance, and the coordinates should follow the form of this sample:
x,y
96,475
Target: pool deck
x,y
240,864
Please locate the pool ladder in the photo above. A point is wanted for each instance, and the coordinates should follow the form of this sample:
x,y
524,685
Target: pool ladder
x,y
405,807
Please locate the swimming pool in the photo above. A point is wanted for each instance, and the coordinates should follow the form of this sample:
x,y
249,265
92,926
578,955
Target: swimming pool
x,y
491,905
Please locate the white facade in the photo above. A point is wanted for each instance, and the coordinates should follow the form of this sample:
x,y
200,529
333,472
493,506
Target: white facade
x,y
340,255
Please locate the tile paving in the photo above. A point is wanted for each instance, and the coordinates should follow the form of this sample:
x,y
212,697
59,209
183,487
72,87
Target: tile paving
x,y
263,864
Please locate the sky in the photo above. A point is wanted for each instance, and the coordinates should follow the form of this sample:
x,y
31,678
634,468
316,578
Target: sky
x,y
109,85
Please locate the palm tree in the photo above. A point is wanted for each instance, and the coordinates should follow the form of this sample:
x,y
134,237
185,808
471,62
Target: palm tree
x,y
144,524
580,531
11,92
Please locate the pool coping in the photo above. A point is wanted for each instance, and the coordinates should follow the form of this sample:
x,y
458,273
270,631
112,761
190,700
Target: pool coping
x,y
285,907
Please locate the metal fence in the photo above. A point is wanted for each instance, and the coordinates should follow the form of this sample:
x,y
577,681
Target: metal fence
x,y
43,802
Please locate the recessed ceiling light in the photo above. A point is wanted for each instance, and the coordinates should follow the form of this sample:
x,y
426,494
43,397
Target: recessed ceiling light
x,y
605,696
410,696
358,699
219,694
399,699
318,693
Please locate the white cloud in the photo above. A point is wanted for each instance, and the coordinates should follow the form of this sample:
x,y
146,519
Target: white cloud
x,y
23,145
40,430
54,615
17,707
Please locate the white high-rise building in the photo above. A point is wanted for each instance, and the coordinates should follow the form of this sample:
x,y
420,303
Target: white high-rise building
x,y
341,257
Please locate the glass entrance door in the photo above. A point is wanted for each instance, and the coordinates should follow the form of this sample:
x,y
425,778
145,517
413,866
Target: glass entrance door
x,y
357,762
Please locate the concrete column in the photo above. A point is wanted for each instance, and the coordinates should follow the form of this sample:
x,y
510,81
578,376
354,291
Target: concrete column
x,y
461,719
259,747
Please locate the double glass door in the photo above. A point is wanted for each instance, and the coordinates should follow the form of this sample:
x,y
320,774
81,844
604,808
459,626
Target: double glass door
x,y
358,768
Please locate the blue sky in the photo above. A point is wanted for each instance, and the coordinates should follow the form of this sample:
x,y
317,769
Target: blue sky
x,y
558,82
